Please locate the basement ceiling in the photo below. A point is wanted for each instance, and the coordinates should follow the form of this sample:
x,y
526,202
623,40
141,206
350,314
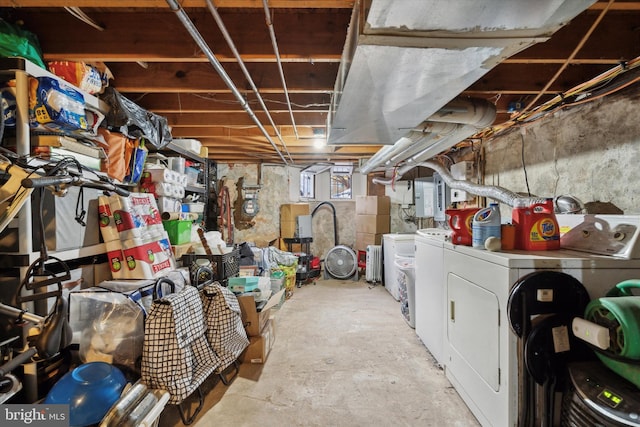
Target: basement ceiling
x,y
157,64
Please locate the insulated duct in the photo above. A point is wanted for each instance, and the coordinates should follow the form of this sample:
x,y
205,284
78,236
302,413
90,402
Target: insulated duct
x,y
493,192
454,122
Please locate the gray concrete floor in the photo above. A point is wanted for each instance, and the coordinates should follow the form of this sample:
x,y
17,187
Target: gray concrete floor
x,y
343,356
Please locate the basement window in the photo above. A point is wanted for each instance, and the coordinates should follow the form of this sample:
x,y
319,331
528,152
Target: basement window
x,y
341,181
307,185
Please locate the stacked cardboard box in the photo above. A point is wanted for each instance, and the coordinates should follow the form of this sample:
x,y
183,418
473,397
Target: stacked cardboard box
x,y
259,325
288,218
372,220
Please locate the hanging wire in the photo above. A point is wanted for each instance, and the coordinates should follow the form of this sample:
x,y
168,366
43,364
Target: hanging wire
x,y
77,13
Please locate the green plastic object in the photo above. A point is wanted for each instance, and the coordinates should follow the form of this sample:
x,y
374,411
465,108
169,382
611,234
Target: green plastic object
x,y
179,231
621,315
16,41
278,274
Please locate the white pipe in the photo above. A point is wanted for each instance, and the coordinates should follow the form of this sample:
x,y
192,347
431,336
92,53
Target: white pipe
x,y
197,37
463,117
493,192
272,33
232,46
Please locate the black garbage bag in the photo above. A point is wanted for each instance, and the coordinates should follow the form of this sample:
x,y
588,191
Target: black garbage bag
x,y
134,121
246,254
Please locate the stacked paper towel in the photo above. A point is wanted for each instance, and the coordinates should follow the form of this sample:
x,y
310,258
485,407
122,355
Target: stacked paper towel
x,y
137,245
167,185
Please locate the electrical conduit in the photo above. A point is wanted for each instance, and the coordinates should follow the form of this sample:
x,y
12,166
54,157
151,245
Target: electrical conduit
x,y
232,46
277,52
197,37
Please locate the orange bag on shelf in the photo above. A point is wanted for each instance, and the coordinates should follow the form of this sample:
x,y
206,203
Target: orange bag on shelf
x,y
119,149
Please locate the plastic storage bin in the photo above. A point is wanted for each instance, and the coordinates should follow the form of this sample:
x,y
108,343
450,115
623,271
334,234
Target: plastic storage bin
x,y
179,231
406,285
243,284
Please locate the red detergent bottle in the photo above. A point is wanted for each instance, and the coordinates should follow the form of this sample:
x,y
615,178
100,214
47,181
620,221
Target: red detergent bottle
x,y
460,224
536,225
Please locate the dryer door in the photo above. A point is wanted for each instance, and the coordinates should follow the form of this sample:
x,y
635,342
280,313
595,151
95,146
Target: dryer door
x,y
473,329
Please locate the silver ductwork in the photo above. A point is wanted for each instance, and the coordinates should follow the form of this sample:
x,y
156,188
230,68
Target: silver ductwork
x,y
451,124
497,193
404,60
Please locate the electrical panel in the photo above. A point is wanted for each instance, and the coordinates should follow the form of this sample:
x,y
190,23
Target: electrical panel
x,y
441,198
424,197
461,171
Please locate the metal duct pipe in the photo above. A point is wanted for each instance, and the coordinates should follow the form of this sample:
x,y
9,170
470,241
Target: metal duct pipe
x,y
493,192
193,31
272,33
389,153
232,46
463,117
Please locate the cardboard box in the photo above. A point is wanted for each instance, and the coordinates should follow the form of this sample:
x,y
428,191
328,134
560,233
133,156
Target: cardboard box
x,y
253,320
374,224
373,205
365,239
260,346
290,211
287,229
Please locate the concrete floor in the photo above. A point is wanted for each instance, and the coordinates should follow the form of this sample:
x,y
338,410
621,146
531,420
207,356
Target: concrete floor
x,y
343,356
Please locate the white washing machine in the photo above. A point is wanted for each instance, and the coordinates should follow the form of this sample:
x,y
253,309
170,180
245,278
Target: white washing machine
x,y
429,289
392,245
480,351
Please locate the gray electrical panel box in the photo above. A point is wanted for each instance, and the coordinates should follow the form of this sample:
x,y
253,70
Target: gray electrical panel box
x,y
441,198
303,226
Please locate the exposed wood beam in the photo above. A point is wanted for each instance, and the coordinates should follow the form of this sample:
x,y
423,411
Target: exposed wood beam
x,y
158,35
189,102
181,77
274,4
242,119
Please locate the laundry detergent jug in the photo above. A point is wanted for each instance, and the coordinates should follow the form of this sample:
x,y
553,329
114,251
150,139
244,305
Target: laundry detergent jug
x,y
460,224
536,225
486,223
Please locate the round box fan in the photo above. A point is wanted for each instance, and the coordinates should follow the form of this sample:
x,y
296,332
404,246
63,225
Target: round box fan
x,y
341,262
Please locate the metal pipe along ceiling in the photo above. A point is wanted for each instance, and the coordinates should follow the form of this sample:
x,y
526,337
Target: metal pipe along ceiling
x,y
279,62
232,46
454,122
202,44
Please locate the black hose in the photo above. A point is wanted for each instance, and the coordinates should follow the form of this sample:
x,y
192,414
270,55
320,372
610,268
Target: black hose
x,y
335,226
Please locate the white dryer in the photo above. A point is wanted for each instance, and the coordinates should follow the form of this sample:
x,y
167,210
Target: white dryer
x,y
392,245
480,351
429,289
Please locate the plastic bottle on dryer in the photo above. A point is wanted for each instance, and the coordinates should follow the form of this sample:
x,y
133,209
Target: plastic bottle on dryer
x,y
536,225
486,223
